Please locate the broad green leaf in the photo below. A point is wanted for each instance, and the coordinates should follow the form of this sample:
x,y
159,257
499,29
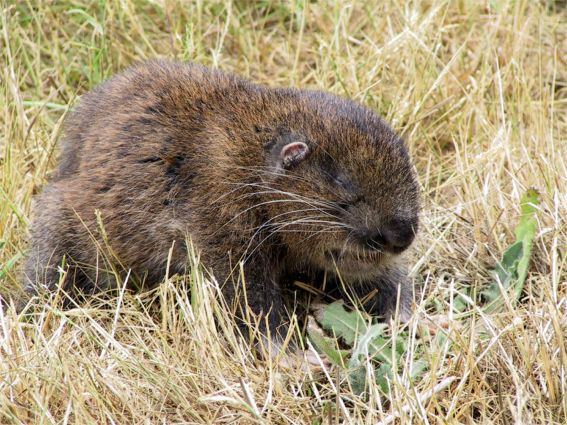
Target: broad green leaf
x,y
511,271
504,273
357,379
418,367
526,232
384,376
370,344
344,324
325,345
459,304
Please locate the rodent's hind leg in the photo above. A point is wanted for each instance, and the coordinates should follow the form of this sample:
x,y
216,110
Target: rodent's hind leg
x,y
50,263
63,274
44,265
47,247
47,273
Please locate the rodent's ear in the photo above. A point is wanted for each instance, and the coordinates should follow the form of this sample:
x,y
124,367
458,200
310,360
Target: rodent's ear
x,y
292,154
285,150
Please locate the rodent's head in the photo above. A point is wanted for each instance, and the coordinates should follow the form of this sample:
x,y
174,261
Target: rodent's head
x,y
343,193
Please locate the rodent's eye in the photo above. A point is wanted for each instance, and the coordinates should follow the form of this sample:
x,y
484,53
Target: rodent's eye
x,y
349,195
340,181
344,183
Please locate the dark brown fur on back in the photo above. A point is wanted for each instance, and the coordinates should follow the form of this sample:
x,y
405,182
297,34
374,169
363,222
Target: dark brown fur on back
x,y
281,180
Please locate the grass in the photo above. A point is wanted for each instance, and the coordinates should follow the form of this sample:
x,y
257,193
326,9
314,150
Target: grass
x,y
479,91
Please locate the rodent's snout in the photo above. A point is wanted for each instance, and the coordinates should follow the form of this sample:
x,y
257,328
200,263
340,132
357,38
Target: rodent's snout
x,y
395,236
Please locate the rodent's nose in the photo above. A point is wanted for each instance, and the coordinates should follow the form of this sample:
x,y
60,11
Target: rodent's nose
x,y
395,236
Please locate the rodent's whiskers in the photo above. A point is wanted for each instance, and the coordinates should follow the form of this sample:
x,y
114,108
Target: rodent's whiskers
x,y
273,221
259,204
247,255
269,189
325,220
267,170
323,207
330,227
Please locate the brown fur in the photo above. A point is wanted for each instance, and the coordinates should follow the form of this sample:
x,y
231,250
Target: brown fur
x,y
167,151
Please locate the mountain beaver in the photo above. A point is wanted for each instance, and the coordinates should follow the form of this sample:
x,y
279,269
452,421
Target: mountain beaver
x,y
273,180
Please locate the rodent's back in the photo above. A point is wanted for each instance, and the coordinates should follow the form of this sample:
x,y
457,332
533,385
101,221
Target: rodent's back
x,y
139,108
149,149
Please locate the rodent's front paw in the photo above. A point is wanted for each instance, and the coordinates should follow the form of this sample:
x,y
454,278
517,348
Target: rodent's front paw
x,y
289,356
304,360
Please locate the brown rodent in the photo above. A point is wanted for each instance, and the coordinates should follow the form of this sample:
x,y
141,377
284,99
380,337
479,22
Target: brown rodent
x,y
278,180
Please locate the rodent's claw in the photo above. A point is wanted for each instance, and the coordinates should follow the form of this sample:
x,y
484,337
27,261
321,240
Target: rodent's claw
x,y
317,359
304,360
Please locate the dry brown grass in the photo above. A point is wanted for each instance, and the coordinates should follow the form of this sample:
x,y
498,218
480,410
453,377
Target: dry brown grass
x,y
479,90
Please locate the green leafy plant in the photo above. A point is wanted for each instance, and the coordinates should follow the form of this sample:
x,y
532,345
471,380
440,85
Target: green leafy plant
x,y
511,271
364,341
